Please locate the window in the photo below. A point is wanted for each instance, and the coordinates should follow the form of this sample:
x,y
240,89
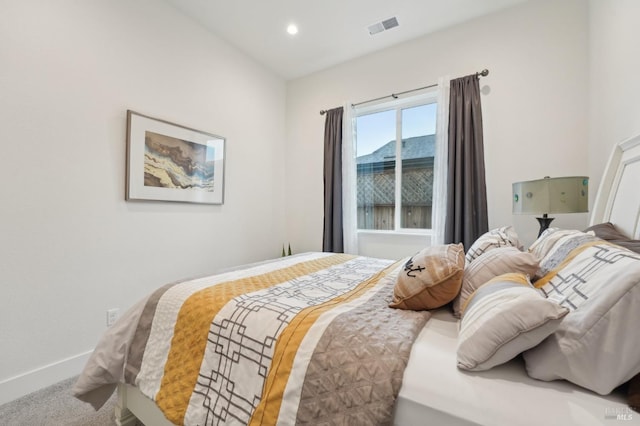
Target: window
x,y
395,150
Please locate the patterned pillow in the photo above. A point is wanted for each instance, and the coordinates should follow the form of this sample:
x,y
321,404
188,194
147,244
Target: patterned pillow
x,y
500,237
554,245
503,318
430,279
491,264
600,283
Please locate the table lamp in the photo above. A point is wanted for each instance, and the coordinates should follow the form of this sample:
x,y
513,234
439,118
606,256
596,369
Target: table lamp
x,y
551,195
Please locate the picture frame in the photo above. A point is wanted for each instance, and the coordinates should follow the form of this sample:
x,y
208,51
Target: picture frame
x,y
170,162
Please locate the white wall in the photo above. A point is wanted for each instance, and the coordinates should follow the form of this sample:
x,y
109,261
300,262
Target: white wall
x,y
614,53
70,246
534,105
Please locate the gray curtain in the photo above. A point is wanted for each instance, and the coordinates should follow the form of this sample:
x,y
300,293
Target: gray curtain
x,y
467,216
332,240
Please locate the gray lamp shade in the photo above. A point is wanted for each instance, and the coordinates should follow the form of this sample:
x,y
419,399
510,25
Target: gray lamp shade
x,y
551,195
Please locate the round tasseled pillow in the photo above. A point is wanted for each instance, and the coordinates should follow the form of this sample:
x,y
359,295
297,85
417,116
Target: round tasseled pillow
x,y
430,279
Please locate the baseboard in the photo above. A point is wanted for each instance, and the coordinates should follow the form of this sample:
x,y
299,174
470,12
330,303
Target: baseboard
x,y
31,381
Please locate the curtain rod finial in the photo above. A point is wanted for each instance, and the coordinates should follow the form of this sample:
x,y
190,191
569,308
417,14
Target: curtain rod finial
x,y
484,72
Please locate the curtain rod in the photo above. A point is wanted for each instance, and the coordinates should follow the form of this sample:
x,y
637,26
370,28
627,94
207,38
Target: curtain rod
x,y
483,73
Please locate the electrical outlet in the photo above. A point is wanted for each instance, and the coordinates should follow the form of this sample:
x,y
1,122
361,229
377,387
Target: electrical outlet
x,y
112,316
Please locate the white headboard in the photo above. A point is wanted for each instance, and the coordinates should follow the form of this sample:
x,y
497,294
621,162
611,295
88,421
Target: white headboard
x,y
618,198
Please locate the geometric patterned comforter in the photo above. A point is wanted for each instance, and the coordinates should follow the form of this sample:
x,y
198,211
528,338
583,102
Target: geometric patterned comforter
x,y
305,340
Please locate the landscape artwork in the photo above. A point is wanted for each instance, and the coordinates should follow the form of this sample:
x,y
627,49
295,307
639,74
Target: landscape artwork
x,y
175,163
170,162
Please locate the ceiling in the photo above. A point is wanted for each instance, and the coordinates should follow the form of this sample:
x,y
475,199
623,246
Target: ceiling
x,y
330,31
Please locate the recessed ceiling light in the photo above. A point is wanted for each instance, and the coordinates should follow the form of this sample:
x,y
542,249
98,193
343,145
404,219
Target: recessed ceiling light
x,y
292,29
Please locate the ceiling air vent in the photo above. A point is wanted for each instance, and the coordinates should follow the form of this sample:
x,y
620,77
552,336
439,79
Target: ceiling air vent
x,y
379,27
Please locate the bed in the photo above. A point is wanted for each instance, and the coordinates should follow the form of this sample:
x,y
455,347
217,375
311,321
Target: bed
x,y
413,355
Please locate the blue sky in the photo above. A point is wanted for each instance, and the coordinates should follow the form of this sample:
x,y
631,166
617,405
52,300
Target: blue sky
x,y
375,130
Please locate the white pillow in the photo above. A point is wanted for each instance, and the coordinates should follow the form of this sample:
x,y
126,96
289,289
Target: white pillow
x,y
502,260
503,318
499,237
554,245
597,346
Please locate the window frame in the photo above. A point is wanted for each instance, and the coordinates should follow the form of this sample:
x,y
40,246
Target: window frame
x,y
425,98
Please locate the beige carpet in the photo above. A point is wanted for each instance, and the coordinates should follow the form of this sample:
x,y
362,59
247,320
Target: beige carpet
x,y
55,406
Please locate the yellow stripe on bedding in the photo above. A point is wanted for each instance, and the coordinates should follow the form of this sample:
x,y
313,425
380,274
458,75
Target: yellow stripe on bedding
x,y
288,343
192,328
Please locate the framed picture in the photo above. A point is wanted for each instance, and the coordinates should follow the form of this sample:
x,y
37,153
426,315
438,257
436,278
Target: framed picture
x,y
169,162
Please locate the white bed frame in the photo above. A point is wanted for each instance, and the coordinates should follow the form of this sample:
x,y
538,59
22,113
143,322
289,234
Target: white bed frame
x,y
618,198
133,408
617,201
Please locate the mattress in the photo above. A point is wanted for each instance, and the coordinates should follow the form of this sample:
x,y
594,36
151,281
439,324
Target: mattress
x,y
434,388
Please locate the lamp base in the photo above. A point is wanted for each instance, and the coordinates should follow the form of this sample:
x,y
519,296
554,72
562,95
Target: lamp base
x,y
544,222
